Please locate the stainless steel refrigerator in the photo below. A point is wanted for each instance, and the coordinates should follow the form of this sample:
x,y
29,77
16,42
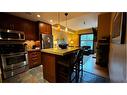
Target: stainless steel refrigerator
x,y
46,41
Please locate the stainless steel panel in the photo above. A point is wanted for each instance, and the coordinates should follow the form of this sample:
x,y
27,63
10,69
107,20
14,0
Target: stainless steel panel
x,y
15,65
14,72
21,35
47,41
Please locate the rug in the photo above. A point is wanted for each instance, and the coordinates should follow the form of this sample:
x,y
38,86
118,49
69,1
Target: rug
x,y
92,78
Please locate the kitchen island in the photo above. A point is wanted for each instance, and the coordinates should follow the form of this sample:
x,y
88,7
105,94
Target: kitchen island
x,y
56,63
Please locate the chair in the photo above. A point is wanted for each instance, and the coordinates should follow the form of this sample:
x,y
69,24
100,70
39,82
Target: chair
x,y
69,69
80,64
77,66
86,50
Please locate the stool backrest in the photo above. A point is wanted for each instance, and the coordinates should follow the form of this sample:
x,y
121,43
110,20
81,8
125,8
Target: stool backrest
x,y
79,56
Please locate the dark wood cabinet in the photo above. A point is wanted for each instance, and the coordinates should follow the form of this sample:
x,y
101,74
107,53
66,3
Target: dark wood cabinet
x,y
31,29
45,28
34,58
49,64
8,21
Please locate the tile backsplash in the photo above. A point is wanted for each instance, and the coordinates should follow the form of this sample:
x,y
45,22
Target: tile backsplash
x,y
31,43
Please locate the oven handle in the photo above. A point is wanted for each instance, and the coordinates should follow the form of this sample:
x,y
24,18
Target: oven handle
x,y
13,54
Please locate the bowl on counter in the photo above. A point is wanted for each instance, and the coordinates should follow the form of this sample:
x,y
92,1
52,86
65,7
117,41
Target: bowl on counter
x,y
63,46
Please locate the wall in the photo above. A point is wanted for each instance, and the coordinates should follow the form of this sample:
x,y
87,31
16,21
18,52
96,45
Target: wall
x,y
85,31
117,60
71,38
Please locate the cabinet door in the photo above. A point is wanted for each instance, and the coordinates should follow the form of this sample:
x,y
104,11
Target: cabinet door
x,y
10,22
45,28
104,24
16,23
49,29
30,31
49,67
42,28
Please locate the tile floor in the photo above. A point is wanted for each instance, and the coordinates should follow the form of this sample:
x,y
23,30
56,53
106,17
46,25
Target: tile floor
x,y
34,75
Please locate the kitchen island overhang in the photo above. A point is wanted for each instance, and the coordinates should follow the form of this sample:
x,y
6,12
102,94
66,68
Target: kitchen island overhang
x,y
56,63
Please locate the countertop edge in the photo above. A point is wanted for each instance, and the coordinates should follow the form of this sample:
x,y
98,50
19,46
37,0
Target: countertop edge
x,y
58,53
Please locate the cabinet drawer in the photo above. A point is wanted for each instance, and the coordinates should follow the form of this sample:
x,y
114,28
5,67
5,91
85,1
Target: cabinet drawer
x,y
34,58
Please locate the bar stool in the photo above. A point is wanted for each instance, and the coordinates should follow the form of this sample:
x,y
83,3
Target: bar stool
x,y
77,66
80,64
67,71
71,66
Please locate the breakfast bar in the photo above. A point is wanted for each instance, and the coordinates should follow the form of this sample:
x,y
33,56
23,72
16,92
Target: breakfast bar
x,y
56,63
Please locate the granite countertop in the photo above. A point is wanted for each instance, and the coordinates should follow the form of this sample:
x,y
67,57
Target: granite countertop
x,y
58,51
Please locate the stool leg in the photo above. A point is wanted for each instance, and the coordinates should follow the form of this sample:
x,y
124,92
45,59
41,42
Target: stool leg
x,y
77,72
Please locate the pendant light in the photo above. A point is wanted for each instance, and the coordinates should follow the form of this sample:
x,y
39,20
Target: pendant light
x,y
66,29
58,26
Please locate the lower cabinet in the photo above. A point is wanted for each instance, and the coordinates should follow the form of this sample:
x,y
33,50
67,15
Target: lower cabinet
x,y
49,67
34,58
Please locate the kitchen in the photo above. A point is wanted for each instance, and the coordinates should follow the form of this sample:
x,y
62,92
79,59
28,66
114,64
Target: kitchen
x,y
33,42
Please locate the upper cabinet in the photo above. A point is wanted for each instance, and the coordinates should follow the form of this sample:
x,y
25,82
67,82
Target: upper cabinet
x,y
16,23
104,25
31,29
45,28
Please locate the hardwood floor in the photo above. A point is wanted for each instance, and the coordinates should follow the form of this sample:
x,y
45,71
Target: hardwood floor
x,y
92,67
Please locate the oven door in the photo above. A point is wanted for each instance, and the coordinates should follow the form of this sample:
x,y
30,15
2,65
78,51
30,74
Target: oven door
x,y
14,60
14,64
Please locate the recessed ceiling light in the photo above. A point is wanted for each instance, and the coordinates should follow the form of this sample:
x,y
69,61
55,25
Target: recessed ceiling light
x,y
38,15
51,20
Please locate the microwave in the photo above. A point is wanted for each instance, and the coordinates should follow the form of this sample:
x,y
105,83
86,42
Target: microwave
x,y
11,35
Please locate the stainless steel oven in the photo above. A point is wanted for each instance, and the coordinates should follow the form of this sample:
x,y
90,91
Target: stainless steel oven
x,y
13,57
11,35
14,63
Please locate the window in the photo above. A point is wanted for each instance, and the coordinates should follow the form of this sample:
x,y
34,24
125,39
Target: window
x,y
86,40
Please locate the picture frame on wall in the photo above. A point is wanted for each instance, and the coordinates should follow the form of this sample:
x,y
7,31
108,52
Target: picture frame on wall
x,y
119,28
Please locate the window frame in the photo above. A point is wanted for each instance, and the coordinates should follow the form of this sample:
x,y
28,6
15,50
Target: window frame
x,y
89,40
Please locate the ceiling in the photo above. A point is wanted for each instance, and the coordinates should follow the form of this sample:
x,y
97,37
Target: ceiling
x,y
75,20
